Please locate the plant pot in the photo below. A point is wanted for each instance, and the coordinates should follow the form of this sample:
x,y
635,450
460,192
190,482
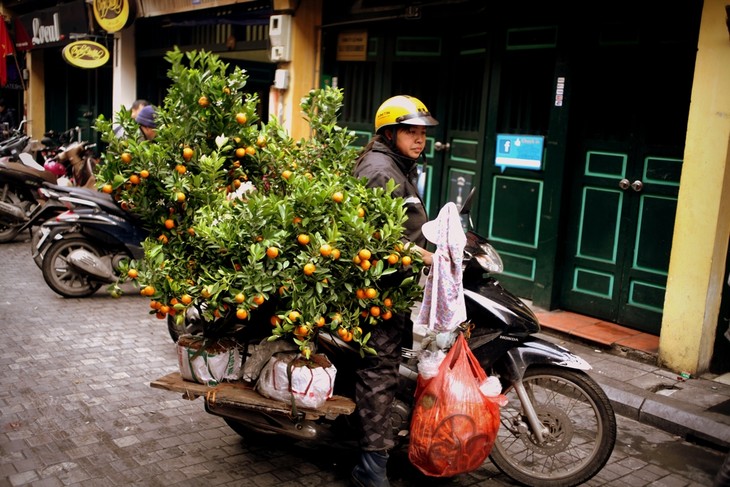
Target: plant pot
x,y
208,361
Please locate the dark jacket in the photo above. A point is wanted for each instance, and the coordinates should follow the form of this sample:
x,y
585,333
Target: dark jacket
x,y
379,164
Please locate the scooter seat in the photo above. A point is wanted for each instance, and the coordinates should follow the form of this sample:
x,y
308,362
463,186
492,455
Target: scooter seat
x,y
28,172
104,200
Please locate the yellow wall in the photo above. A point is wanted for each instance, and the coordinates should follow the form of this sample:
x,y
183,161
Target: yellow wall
x,y
304,70
696,270
35,96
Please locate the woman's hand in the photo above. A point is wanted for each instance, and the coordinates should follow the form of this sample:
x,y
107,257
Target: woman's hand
x,y
425,254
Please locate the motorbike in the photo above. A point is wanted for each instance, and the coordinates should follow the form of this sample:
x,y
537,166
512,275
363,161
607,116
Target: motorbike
x,y
16,144
558,428
20,183
80,249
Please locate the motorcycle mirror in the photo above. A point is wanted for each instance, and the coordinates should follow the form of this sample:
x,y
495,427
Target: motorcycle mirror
x,y
466,206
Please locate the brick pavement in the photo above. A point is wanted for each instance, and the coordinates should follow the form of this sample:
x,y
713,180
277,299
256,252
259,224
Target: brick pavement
x,y
76,407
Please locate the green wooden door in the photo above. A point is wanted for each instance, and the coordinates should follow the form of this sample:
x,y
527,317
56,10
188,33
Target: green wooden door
x,y
619,235
630,100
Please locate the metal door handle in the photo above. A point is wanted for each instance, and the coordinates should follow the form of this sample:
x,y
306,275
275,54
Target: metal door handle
x,y
637,185
624,184
439,146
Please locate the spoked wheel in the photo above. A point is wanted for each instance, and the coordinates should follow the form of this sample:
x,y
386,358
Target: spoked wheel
x,y
579,430
9,228
62,277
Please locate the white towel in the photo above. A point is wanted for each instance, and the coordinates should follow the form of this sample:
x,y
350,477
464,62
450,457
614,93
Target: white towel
x,y
443,308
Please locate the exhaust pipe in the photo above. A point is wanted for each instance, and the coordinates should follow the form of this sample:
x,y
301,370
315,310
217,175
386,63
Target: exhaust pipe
x,y
91,264
12,211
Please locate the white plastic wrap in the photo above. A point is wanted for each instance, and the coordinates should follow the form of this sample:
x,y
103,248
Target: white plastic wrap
x,y
311,384
210,366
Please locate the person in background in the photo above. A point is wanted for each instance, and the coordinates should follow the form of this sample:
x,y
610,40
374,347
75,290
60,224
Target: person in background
x,y
393,153
7,116
134,110
146,119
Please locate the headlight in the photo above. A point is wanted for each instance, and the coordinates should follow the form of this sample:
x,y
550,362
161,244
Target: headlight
x,y
489,259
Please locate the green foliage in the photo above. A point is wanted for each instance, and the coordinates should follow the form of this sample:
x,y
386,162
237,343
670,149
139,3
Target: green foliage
x,y
247,189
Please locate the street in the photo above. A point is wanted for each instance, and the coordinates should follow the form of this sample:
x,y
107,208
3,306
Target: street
x,y
76,409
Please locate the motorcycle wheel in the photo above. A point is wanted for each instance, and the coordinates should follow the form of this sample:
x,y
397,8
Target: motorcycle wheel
x,y
184,327
61,277
253,437
579,423
9,229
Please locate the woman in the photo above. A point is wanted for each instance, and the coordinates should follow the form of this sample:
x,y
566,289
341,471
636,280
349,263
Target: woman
x,y
400,128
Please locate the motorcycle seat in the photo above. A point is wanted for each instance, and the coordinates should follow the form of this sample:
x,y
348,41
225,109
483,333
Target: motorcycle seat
x,y
104,200
29,172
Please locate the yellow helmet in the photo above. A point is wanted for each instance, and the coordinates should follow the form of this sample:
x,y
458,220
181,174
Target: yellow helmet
x,y
403,109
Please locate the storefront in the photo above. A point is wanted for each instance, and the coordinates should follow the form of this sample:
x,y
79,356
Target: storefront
x,y
573,123
576,125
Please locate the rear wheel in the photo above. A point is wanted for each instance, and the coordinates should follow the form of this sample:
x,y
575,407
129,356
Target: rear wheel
x,y
252,436
61,277
9,228
579,430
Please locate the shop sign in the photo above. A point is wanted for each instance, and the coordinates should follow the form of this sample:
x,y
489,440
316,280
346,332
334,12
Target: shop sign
x,y
352,46
51,27
85,54
113,15
519,151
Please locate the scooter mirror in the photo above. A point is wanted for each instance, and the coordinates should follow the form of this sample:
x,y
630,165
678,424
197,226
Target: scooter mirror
x,y
466,206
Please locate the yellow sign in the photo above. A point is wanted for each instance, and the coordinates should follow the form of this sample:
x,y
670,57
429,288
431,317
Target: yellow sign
x,y
85,54
112,15
352,46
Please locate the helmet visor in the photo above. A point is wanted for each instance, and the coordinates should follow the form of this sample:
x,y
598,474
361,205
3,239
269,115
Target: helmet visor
x,y
420,118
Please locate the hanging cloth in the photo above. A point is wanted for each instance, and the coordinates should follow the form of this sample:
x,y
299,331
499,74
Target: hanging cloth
x,y
443,308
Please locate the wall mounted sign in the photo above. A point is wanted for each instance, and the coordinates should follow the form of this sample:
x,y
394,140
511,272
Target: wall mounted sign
x,y
519,151
113,15
352,46
51,27
85,54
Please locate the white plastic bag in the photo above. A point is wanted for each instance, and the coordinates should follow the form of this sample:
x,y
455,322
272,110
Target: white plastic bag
x,y
311,382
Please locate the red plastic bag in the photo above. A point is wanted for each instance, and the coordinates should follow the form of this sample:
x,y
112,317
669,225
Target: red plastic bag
x,y
454,425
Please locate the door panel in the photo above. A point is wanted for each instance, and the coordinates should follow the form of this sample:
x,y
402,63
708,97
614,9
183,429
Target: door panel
x,y
630,100
514,220
619,238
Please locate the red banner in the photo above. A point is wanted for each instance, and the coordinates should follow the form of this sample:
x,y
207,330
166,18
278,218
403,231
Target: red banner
x,y
6,48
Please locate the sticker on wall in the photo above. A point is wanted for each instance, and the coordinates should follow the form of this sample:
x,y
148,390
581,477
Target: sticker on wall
x,y
85,54
519,151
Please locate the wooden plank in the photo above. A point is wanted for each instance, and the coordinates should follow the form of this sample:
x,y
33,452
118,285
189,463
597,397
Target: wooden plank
x,y
242,394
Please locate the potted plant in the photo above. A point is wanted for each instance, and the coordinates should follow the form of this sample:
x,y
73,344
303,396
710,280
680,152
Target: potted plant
x,y
250,225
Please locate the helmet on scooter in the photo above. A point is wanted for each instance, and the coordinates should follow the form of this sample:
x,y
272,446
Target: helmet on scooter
x,y
55,167
403,109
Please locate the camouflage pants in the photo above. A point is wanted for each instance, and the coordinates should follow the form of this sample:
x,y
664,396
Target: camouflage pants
x,y
377,382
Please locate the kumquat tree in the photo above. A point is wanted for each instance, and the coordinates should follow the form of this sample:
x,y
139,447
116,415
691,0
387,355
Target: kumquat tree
x,y
244,221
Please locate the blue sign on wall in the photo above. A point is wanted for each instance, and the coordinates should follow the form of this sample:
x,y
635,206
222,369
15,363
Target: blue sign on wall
x,y
519,151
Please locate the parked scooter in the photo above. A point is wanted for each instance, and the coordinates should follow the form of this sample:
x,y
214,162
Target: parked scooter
x,y
20,183
558,428
81,248
16,144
